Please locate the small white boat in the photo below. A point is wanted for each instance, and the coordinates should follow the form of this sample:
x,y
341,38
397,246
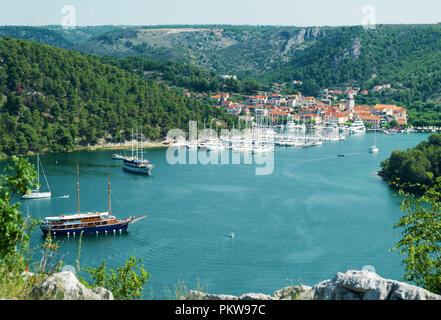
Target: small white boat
x,y
231,235
36,194
116,156
291,125
333,127
192,145
373,149
242,148
180,144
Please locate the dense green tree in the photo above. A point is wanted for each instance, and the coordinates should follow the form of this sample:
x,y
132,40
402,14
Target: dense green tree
x,y
250,86
421,238
13,104
64,99
17,180
415,167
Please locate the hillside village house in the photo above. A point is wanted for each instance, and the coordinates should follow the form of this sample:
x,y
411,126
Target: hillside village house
x,y
234,109
379,88
375,121
276,99
220,97
278,114
390,112
307,101
336,118
311,118
292,103
258,99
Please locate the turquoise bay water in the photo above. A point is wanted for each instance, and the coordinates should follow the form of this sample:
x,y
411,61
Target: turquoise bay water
x,y
317,214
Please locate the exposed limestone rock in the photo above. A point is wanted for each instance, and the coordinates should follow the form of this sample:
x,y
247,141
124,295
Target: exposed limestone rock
x,y
65,286
199,295
352,285
365,285
356,48
255,296
294,293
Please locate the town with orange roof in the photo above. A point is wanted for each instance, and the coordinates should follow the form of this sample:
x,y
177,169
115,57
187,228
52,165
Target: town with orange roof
x,y
332,107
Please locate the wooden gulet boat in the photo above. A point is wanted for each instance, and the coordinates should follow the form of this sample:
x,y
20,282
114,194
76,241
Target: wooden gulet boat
x,y
91,222
134,163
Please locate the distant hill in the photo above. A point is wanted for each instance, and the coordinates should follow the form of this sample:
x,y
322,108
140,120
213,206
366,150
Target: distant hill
x,y
406,56
56,35
53,99
319,56
241,50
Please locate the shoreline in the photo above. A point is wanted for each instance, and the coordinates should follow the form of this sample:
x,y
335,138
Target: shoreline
x,y
125,145
100,146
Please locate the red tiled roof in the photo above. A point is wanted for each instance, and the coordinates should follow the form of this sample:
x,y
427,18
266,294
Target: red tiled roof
x,y
372,117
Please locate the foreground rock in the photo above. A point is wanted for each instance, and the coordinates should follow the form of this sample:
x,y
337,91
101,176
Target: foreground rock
x,y
65,286
352,285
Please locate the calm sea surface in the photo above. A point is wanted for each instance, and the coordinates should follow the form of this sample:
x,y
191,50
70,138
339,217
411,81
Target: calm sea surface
x,y
317,214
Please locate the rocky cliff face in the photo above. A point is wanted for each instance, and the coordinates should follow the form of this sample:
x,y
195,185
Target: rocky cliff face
x,y
352,285
226,50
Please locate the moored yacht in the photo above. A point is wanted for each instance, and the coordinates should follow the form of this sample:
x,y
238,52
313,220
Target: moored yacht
x,y
357,127
290,125
91,222
136,164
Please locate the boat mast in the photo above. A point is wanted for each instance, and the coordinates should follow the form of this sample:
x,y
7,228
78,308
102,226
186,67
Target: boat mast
x,y
132,143
108,175
78,188
142,151
375,134
137,141
44,174
38,171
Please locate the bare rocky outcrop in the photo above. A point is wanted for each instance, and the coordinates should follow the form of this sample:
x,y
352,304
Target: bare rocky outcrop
x,y
199,295
365,285
65,286
351,285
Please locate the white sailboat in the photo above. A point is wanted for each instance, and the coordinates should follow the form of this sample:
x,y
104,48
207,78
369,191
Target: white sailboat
x,y
374,148
36,194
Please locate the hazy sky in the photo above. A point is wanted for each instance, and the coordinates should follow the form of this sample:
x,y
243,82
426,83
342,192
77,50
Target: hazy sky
x,y
253,12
